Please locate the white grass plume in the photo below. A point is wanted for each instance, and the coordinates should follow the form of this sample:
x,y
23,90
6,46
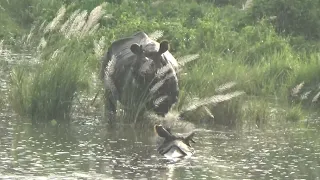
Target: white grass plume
x,y
212,100
54,23
1,47
296,90
55,53
99,46
108,82
160,83
305,95
77,24
42,44
95,15
247,5
41,27
94,29
111,65
162,71
225,86
30,35
316,97
207,110
66,26
156,35
186,59
159,100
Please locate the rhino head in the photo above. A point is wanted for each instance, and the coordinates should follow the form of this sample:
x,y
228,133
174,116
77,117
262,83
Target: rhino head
x,y
149,60
154,71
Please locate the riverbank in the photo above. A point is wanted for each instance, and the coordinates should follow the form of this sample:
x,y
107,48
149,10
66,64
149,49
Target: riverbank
x,y
241,47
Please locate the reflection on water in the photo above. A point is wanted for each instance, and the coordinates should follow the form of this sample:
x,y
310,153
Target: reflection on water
x,y
95,151
92,151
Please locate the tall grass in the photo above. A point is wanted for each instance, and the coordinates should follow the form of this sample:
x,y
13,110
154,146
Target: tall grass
x,y
48,90
235,48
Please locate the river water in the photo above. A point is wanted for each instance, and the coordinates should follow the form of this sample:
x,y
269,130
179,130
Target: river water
x,y
87,149
91,151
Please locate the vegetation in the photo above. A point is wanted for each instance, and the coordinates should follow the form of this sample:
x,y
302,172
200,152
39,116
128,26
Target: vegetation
x,y
264,48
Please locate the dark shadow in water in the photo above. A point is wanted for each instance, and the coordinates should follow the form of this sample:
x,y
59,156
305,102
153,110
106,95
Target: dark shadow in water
x,y
90,150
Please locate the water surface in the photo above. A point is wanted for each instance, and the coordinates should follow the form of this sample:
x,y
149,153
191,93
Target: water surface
x,y
94,151
88,150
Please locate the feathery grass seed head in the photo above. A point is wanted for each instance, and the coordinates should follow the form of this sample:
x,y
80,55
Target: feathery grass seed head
x,y
296,90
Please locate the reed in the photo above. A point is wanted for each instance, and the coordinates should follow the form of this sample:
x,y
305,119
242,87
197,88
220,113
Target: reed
x,y
228,57
49,91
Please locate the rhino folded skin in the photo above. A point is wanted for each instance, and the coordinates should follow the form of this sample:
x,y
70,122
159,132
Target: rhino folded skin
x,y
130,55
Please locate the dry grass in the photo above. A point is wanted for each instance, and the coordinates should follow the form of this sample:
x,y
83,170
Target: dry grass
x,y
54,23
225,86
211,100
316,97
224,57
79,24
247,5
296,90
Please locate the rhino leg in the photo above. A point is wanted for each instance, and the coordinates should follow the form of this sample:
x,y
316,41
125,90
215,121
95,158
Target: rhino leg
x,y
104,62
171,90
110,106
163,109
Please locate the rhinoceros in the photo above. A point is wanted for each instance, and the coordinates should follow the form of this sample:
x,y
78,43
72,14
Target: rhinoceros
x,y
139,62
174,146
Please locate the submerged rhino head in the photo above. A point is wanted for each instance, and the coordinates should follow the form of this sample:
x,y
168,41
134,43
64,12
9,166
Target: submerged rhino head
x,y
174,146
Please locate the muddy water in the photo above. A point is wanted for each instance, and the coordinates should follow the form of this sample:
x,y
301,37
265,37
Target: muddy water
x,y
85,149
94,151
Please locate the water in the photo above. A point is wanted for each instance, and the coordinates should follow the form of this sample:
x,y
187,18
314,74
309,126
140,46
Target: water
x,y
93,151
88,150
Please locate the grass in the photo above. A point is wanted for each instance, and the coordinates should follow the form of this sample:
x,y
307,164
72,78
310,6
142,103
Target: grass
x,y
46,93
233,47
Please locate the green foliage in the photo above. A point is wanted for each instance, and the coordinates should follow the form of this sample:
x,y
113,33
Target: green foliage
x,y
27,11
241,45
8,28
295,17
47,92
294,114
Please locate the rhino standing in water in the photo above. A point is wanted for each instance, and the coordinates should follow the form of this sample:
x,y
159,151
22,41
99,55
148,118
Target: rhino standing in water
x,y
139,61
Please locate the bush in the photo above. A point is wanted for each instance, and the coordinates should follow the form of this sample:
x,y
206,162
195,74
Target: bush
x,y
235,45
48,92
294,17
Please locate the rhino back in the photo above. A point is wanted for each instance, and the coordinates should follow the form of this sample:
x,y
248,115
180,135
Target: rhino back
x,y
121,49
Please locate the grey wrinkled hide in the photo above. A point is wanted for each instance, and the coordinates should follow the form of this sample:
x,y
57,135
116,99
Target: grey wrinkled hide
x,y
126,67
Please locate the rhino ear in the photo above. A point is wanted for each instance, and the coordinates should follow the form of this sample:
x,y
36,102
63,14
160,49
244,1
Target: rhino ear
x,y
161,131
164,46
136,49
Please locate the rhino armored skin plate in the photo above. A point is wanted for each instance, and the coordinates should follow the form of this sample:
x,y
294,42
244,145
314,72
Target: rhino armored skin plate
x,y
129,56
